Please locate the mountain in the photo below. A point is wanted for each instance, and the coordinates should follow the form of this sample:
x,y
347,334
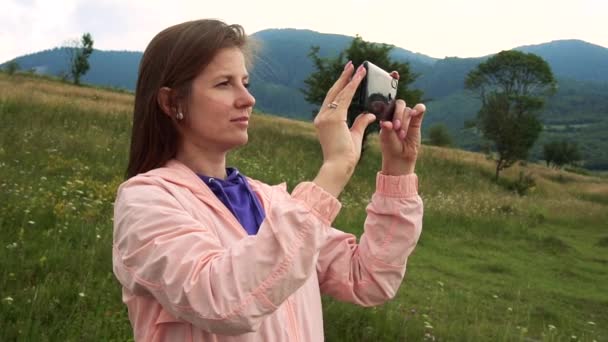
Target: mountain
x,y
116,69
283,64
573,59
579,110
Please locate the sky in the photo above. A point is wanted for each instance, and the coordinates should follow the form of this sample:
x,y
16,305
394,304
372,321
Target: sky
x,y
448,28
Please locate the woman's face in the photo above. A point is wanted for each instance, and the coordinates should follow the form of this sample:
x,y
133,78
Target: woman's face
x,y
220,105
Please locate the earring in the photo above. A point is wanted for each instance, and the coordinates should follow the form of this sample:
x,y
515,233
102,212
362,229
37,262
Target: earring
x,y
179,116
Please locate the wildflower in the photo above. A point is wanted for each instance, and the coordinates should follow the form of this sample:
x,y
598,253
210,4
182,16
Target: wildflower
x,y
98,236
495,296
573,337
510,309
81,294
428,325
31,222
43,178
440,283
11,245
8,300
551,327
591,323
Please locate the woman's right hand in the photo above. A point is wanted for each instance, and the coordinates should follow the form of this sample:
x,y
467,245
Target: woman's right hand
x,y
341,146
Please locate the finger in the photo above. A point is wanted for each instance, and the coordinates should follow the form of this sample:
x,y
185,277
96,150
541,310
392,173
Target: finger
x,y
361,123
407,117
419,108
340,83
417,116
388,136
395,74
386,125
398,114
345,96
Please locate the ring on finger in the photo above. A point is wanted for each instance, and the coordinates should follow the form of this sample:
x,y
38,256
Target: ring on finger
x,y
333,105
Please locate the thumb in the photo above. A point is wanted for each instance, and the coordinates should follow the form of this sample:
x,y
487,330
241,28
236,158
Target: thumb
x,y
361,123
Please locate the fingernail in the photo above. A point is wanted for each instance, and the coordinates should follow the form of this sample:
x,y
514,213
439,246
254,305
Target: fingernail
x,y
348,64
413,112
360,68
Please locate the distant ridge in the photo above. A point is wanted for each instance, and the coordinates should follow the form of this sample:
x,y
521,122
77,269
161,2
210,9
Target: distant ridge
x,y
579,111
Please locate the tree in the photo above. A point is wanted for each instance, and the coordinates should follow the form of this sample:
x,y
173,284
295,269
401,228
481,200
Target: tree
x,y
560,153
78,54
512,86
329,69
439,135
12,67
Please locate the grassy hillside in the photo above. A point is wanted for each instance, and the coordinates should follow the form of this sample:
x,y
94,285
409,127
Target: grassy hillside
x,y
490,266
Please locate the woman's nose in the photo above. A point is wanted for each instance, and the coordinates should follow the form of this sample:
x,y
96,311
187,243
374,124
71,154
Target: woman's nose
x,y
245,99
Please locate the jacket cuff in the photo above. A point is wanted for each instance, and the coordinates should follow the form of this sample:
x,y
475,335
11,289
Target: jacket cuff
x,y
322,203
397,186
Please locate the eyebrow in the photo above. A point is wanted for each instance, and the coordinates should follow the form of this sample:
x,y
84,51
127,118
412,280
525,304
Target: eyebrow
x,y
229,76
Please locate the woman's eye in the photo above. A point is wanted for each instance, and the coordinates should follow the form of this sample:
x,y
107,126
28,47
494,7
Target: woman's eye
x,y
223,84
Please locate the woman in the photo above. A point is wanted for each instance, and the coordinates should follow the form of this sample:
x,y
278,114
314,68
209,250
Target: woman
x,y
206,254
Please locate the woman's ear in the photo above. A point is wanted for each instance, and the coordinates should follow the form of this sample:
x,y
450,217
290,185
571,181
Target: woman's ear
x,y
165,101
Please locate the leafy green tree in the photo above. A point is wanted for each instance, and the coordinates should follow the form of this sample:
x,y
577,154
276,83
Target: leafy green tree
x,y
329,69
560,153
512,86
79,57
12,67
439,135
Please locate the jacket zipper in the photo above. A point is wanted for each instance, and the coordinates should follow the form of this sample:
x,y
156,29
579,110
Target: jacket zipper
x,y
292,320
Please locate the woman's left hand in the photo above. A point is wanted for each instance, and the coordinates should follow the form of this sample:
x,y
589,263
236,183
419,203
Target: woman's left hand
x,y
400,139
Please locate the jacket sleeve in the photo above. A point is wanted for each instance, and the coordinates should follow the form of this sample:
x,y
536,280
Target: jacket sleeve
x,y
370,273
161,250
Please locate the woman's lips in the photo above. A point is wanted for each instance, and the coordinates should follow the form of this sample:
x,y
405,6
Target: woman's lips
x,y
242,122
242,118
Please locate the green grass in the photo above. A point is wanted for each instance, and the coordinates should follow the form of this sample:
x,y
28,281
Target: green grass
x,y
490,266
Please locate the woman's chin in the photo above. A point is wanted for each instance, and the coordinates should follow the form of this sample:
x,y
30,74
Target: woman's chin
x,y
240,142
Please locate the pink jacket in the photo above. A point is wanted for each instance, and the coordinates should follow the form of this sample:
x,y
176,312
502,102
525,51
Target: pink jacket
x,y
189,271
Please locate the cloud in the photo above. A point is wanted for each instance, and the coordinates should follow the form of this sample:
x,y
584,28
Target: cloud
x,y
30,26
105,19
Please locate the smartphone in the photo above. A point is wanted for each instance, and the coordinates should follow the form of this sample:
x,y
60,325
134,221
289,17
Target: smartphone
x,y
377,92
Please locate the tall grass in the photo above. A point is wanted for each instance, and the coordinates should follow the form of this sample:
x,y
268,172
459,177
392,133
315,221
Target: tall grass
x,y
491,265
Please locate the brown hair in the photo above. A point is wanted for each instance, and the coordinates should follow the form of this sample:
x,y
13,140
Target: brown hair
x,y
173,59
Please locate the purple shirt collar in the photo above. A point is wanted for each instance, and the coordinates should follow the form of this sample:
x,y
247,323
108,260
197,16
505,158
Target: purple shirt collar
x,y
237,196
